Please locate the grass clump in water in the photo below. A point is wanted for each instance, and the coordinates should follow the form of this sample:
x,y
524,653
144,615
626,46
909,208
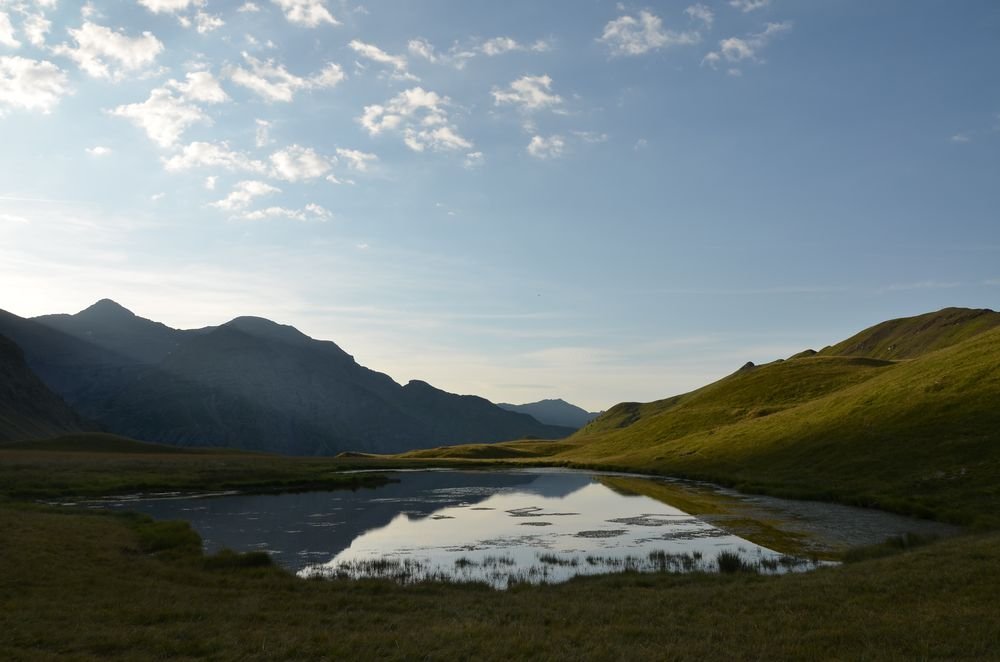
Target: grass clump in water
x,y
731,562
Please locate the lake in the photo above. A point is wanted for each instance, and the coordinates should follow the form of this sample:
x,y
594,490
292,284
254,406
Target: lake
x,y
505,527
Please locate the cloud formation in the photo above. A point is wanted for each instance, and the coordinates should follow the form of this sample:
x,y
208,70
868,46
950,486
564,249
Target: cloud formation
x,y
244,193
163,116
735,50
28,84
273,82
212,155
630,35
529,93
546,148
105,53
306,13
297,163
421,116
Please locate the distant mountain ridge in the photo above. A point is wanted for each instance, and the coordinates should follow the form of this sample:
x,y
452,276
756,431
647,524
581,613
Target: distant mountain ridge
x,y
554,412
249,383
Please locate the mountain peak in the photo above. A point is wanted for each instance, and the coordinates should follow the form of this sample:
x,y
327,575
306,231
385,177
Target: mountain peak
x,y
106,308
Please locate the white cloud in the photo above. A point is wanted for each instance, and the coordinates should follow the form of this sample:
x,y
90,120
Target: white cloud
x,y
528,92
274,82
163,116
421,117
442,138
98,150
457,56
961,138
244,193
736,49
356,159
35,27
7,32
311,212
501,45
200,86
210,182
749,5
248,8
296,163
156,197
628,35
169,6
98,47
30,84
546,148
420,47
308,13
700,12
205,23
262,136
474,160
212,155
376,54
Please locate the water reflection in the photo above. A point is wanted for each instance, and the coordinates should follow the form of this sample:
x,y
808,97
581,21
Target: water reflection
x,y
496,527
548,530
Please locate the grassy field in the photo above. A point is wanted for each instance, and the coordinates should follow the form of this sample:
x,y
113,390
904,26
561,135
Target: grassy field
x,y
98,465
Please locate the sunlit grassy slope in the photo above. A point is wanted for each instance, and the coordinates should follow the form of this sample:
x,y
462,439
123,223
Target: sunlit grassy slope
x,y
919,435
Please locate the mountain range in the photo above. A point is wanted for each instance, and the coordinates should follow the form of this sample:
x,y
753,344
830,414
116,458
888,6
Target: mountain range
x,y
249,383
554,412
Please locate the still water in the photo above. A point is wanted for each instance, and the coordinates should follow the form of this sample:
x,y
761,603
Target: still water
x,y
497,527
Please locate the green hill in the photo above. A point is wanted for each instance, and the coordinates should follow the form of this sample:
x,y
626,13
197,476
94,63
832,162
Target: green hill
x,y
910,337
920,435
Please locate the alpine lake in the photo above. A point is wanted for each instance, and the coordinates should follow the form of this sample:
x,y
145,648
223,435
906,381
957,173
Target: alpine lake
x,y
504,527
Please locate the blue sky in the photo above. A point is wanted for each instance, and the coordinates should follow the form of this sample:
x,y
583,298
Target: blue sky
x,y
591,200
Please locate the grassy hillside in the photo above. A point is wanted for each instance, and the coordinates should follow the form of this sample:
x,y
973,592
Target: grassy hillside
x,y
909,337
919,436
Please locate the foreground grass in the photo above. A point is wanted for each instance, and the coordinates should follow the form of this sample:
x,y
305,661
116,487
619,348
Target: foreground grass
x,y
81,586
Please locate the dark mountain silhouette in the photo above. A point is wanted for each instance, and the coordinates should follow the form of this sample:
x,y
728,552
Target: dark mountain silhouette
x,y
250,383
554,412
28,408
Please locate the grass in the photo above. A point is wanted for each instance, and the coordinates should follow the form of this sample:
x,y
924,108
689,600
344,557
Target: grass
x,y
98,465
86,586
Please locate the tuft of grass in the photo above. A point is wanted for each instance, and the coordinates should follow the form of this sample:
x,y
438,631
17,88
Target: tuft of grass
x,y
227,559
729,562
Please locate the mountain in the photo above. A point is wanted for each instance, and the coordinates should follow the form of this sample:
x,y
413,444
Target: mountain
x,y
110,326
554,412
250,383
919,435
28,409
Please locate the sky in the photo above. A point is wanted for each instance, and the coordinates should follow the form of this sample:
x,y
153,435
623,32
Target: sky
x,y
590,200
